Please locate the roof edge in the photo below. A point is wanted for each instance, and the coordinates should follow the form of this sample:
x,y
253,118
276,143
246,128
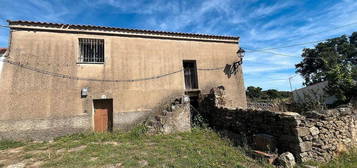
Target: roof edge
x,y
60,26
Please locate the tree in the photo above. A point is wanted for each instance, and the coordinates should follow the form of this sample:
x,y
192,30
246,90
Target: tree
x,y
273,94
353,38
353,41
334,61
254,92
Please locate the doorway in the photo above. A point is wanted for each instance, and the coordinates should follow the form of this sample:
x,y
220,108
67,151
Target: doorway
x,y
194,105
190,74
103,115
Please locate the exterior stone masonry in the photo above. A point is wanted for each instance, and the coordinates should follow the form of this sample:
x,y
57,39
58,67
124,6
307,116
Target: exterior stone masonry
x,y
311,137
174,117
324,135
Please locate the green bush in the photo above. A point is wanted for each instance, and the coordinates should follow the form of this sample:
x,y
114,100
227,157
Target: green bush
x,y
139,131
5,144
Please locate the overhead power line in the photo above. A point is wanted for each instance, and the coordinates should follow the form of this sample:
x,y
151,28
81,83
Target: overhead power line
x,y
304,43
79,78
321,32
210,69
277,53
288,55
287,46
59,75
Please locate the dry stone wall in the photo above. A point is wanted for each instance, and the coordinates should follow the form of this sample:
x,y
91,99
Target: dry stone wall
x,y
265,106
173,117
312,137
328,133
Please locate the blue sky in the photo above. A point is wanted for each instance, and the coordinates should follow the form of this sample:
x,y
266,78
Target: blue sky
x,y
260,24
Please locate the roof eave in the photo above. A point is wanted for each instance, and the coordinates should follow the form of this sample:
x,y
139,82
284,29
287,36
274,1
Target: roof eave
x,y
45,26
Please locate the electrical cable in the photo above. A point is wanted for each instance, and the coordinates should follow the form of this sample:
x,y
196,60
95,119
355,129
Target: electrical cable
x,y
18,64
299,44
287,46
282,54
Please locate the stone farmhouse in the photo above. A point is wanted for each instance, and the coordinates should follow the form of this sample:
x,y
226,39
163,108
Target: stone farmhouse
x,y
58,79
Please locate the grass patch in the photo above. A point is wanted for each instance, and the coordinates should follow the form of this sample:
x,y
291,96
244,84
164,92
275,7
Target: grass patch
x,y
346,160
6,144
198,148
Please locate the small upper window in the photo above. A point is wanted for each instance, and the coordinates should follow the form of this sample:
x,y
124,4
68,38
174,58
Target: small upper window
x,y
91,50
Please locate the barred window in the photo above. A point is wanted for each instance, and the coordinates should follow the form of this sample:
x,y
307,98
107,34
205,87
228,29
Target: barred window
x,y
91,50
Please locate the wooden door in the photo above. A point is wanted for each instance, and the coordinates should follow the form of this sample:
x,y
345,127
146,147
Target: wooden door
x,y
102,115
101,120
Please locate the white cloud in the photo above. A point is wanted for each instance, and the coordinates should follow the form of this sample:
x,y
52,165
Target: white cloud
x,y
262,68
37,10
259,24
265,10
297,27
140,6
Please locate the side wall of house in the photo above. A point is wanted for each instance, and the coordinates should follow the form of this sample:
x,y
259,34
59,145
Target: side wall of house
x,y
37,102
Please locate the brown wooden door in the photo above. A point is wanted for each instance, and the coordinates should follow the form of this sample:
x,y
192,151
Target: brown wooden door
x,y
101,120
102,115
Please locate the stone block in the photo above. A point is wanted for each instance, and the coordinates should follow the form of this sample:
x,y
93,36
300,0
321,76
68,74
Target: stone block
x,y
323,130
319,124
332,112
341,148
326,147
345,111
286,160
305,146
314,131
307,138
303,131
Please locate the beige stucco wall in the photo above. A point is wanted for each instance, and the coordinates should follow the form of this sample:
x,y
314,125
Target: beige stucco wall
x,y
315,92
25,94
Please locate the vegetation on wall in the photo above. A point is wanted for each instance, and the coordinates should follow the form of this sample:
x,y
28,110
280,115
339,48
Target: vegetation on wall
x,y
344,160
335,61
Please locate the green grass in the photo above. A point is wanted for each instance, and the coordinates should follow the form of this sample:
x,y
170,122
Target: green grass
x,y
5,144
345,160
198,148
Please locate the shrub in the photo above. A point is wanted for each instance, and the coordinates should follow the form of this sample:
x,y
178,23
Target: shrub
x,y
5,144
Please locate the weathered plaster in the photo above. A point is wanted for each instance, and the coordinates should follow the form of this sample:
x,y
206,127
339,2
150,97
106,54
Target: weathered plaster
x,y
28,95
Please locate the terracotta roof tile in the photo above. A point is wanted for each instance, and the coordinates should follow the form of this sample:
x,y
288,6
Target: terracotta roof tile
x,y
106,28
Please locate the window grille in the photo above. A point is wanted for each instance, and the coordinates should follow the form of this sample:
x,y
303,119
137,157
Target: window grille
x,y
91,50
